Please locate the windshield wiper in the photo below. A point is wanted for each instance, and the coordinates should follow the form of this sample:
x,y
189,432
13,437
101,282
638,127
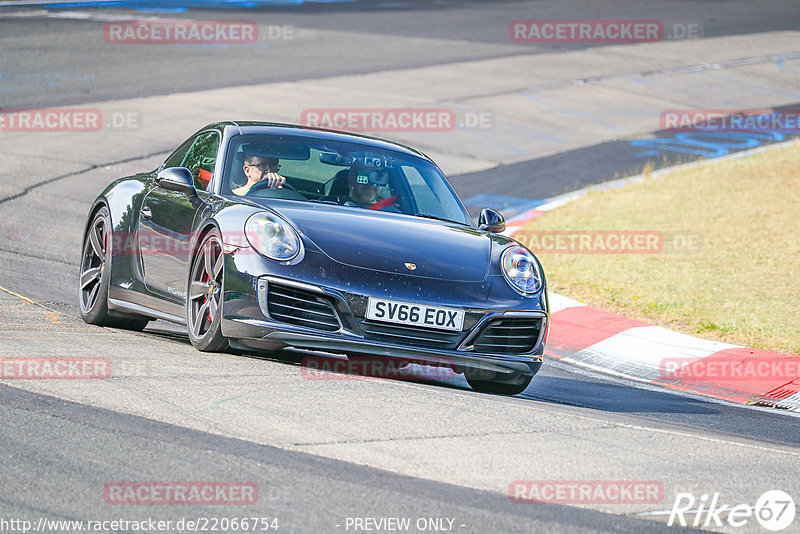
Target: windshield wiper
x,y
437,218
333,202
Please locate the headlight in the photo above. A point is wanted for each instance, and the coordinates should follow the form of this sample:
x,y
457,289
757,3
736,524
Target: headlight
x,y
521,270
272,236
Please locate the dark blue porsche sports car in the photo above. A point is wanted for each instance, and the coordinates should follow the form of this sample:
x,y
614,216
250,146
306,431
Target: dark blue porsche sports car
x,y
266,236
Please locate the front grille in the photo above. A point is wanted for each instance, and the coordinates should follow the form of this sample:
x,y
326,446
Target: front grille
x,y
301,307
509,336
411,335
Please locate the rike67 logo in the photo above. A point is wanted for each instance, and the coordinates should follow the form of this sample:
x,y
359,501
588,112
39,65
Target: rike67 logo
x,y
774,510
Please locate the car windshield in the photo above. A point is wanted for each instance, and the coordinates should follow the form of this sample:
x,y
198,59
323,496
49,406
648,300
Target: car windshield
x,y
339,173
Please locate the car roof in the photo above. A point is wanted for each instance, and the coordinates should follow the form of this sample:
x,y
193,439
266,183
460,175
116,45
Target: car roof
x,y
256,127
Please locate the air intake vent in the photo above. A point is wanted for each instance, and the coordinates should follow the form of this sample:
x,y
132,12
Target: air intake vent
x,y
411,335
509,336
301,307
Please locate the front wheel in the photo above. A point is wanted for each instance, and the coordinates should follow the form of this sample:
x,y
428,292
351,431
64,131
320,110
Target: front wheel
x,y
485,382
204,303
95,274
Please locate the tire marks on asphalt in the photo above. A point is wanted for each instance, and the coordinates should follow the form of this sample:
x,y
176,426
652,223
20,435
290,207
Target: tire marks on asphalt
x,y
90,168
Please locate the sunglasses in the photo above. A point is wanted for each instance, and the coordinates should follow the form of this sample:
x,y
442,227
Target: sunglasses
x,y
265,166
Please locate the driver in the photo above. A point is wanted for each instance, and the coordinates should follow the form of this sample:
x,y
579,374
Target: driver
x,y
363,184
259,168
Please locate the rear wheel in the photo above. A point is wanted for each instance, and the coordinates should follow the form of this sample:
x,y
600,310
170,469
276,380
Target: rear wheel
x,y
95,274
204,303
486,382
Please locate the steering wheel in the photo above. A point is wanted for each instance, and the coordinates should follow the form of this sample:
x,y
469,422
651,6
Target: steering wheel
x,y
264,184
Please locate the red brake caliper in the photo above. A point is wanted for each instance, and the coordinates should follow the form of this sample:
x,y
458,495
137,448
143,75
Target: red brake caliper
x,y
208,313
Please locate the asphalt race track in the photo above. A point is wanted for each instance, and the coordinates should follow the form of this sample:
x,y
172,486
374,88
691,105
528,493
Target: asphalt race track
x,y
324,452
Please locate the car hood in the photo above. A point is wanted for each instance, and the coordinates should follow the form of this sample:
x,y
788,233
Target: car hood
x,y
387,242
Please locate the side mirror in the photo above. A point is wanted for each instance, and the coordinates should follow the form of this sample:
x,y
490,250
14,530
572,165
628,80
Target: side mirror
x,y
177,179
491,221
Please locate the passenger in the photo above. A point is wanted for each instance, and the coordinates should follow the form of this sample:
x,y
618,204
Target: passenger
x,y
363,184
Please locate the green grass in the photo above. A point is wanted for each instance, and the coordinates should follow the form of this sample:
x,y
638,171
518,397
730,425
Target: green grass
x,y
741,287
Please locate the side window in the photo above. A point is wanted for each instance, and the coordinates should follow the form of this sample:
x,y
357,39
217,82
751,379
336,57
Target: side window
x,y
425,198
176,158
201,159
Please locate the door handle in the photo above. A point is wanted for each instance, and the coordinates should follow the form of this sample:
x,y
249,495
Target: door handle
x,y
146,213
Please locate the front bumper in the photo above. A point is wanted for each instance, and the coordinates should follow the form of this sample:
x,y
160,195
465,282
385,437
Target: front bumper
x,y
248,321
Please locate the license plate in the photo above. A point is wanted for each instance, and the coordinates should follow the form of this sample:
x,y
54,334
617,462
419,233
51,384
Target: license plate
x,y
392,311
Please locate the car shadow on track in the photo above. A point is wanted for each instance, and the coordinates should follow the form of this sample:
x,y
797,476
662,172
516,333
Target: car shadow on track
x,y
584,392
326,366
612,397
322,365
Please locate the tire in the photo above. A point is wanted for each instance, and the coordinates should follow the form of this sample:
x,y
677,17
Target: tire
x,y
483,382
95,273
204,296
